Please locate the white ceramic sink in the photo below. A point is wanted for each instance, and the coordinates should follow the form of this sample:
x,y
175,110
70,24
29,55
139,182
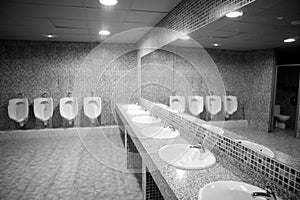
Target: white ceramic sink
x,y
229,190
138,112
184,157
257,147
214,129
146,120
132,107
159,132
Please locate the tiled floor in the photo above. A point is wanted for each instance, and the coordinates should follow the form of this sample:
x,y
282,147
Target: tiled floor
x,y
72,167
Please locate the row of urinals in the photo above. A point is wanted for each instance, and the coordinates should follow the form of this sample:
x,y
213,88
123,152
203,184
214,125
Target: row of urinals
x,y
18,109
212,104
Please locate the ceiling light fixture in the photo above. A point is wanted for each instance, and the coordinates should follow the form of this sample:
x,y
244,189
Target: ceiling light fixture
x,y
295,22
108,2
216,45
50,36
234,14
288,40
104,32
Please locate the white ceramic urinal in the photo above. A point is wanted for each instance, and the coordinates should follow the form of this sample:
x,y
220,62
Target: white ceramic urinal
x,y
177,103
213,105
92,107
230,105
68,108
195,105
43,109
18,110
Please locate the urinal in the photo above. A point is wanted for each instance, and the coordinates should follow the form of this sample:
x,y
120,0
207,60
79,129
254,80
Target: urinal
x,y
177,103
43,109
213,105
195,105
18,110
92,107
68,108
230,105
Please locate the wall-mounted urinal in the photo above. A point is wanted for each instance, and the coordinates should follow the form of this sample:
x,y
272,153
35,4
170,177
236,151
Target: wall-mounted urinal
x,y
177,103
43,109
213,105
92,107
18,110
68,108
195,105
230,105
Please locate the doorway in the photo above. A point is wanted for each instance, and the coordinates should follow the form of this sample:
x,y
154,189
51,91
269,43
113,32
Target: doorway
x,y
284,107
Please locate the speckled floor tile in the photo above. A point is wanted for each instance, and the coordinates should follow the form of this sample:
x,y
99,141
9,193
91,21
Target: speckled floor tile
x,y
86,166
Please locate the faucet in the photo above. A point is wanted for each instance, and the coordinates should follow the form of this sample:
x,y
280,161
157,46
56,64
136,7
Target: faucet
x,y
172,128
269,194
199,146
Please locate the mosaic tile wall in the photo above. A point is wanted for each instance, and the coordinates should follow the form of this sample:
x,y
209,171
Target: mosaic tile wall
x,y
60,67
283,178
247,75
191,15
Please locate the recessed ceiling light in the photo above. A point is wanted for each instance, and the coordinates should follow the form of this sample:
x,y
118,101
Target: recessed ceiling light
x,y
288,40
104,32
295,22
216,45
108,2
50,36
234,14
279,18
184,37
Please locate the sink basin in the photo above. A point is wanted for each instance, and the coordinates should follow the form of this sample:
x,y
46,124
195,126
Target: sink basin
x,y
138,112
159,132
146,120
229,190
162,105
184,157
257,147
132,106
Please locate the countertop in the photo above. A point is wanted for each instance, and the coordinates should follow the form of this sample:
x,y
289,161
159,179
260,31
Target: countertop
x,y
176,183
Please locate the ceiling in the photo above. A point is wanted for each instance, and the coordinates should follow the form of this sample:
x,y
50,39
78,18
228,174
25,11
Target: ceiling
x,y
258,28
81,20
78,20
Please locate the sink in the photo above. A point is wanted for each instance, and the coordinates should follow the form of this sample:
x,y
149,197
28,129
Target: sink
x,y
229,190
214,129
162,105
257,147
159,132
184,157
132,106
138,112
146,120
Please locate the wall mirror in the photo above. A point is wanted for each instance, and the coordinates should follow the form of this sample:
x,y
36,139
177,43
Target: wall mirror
x,y
230,57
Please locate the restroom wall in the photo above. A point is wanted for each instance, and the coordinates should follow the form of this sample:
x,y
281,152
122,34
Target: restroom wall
x,y
245,74
59,67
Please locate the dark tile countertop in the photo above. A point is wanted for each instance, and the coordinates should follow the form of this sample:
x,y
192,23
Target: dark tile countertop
x,y
184,184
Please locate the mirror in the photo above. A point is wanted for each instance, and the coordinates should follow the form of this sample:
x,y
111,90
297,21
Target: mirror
x,y
241,65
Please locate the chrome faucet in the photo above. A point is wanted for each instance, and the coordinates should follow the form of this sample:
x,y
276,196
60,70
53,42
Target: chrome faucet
x,y
199,146
269,194
172,128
